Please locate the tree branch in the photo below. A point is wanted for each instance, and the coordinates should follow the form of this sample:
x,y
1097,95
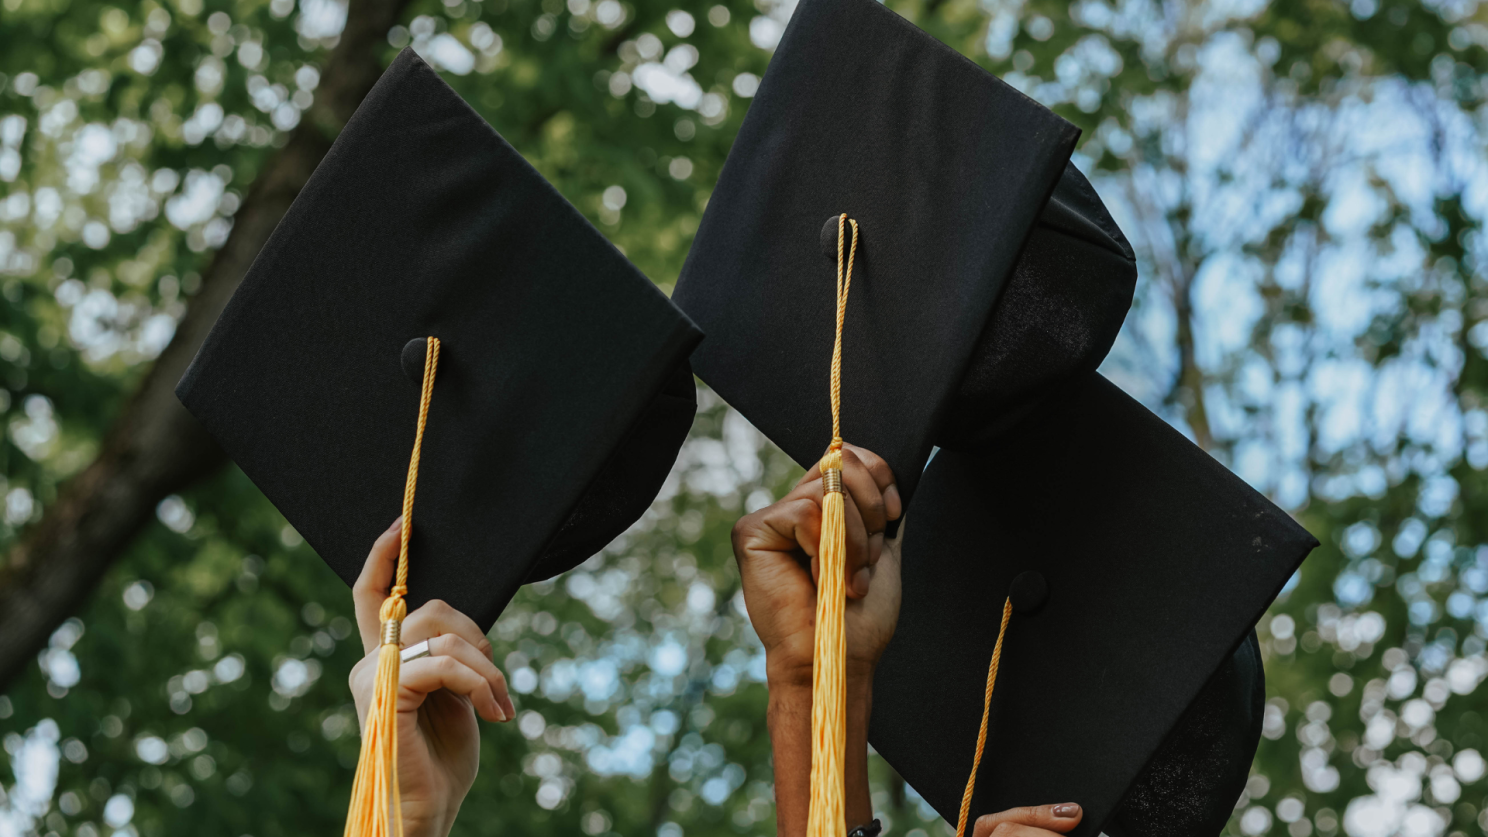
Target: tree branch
x,y
155,447
1165,233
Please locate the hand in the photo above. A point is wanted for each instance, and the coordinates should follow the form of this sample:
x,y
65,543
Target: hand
x,y
1043,821
773,546
438,696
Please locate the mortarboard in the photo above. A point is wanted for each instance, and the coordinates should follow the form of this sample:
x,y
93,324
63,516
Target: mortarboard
x,y
563,392
1134,566
943,167
989,284
428,279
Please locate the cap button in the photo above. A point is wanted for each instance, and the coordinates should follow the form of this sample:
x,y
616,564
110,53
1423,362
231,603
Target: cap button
x,y
1029,591
413,359
829,238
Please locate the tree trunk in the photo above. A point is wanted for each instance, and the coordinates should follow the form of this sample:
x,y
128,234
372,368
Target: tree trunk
x,y
155,447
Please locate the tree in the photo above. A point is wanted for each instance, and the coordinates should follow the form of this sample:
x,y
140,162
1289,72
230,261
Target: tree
x,y
153,447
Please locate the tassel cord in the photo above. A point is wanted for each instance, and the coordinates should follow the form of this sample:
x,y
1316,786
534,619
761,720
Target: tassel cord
x,y
976,762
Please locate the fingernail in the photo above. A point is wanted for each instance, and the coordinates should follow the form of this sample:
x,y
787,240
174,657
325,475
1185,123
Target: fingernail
x,y
860,582
1067,810
396,523
892,503
500,714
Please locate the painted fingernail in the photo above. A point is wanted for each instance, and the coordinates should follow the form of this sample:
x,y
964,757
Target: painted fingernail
x,y
1066,810
860,582
892,503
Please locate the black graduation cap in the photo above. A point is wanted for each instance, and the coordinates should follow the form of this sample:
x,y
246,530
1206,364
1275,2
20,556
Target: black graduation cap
x,y
943,167
1129,678
989,284
562,393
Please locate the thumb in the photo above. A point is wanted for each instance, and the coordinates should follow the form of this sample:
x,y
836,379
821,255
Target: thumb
x,y
1058,818
372,585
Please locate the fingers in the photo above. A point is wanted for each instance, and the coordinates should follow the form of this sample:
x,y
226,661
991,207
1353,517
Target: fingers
x,y
478,661
858,562
417,678
857,569
883,477
793,526
451,665
866,493
798,518
861,460
790,525
1038,821
372,585
435,619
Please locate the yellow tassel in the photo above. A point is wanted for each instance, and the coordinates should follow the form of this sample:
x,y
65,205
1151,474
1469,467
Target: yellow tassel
x,y
827,817
376,809
828,677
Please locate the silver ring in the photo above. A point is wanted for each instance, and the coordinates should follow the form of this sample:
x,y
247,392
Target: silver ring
x,y
414,652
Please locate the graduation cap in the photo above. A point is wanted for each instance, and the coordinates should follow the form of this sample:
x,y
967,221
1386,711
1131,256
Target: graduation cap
x,y
429,293
563,392
988,283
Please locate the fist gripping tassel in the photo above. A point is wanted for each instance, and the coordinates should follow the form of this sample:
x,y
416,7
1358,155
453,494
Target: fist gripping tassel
x,y
827,817
375,809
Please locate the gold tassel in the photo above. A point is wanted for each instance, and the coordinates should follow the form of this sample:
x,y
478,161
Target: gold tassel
x,y
828,670
375,809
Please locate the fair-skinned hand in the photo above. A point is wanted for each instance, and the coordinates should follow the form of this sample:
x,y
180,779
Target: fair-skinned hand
x,y
1040,821
776,549
439,696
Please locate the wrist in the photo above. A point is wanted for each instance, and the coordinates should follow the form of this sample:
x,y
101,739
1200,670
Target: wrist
x,y
789,720
790,674
787,675
860,676
429,821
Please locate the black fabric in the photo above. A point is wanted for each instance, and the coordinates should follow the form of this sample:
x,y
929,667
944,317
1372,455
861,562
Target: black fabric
x,y
562,396
1056,319
629,480
1158,561
1191,785
944,167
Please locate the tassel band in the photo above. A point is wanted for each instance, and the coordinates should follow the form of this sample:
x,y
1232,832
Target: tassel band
x,y
392,632
832,481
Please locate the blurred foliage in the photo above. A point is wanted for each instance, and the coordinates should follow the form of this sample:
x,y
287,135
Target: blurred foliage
x,y
1302,180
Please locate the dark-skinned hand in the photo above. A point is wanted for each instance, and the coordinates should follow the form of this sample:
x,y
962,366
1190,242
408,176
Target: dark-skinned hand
x,y
776,549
